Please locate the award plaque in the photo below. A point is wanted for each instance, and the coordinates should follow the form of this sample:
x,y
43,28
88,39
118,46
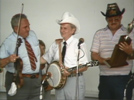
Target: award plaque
x,y
119,57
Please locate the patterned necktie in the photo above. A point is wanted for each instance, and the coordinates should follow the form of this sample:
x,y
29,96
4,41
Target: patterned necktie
x,y
31,55
63,51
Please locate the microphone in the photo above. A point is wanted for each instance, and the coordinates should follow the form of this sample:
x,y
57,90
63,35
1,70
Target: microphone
x,y
81,40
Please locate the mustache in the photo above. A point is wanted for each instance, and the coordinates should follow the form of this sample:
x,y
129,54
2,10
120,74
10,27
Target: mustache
x,y
113,23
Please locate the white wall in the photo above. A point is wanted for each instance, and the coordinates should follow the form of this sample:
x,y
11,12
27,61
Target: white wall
x,y
43,14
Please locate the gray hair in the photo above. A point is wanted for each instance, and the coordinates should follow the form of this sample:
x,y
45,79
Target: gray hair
x,y
15,19
73,26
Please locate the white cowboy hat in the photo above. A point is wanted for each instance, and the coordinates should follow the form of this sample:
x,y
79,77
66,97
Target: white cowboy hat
x,y
69,18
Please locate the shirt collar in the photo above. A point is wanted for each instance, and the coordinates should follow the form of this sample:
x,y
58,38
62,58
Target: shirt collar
x,y
122,28
69,40
15,35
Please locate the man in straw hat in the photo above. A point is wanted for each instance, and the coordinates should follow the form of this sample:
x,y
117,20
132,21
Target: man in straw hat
x,y
69,26
112,80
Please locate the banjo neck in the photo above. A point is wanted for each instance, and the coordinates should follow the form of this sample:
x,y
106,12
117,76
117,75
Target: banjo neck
x,y
90,64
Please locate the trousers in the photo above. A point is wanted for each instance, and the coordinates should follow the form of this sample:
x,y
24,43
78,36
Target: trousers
x,y
29,91
112,87
68,92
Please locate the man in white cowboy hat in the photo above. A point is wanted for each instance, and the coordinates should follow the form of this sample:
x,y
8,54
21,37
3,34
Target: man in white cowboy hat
x,y
69,26
112,81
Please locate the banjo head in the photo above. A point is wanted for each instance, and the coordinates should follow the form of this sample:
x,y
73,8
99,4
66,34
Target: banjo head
x,y
55,72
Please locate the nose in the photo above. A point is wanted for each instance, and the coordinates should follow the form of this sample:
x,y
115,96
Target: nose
x,y
28,28
113,20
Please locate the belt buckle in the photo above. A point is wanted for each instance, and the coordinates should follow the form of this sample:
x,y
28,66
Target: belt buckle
x,y
33,76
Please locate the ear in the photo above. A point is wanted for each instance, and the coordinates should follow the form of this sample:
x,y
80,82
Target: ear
x,y
106,18
15,29
73,30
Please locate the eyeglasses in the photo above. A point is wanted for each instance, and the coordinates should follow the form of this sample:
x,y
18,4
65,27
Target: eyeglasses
x,y
114,19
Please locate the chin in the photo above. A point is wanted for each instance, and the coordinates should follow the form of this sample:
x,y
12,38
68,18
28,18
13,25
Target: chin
x,y
63,36
26,35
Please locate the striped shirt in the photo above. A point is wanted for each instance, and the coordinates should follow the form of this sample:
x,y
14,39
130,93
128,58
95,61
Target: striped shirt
x,y
103,43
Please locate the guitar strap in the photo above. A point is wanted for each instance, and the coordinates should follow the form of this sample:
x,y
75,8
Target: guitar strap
x,y
59,42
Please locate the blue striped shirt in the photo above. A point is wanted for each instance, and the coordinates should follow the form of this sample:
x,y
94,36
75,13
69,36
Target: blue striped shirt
x,y
8,48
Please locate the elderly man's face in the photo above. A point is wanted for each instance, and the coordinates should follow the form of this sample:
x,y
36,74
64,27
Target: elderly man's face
x,y
24,28
66,31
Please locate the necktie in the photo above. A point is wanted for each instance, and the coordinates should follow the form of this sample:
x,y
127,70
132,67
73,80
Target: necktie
x,y
31,54
63,51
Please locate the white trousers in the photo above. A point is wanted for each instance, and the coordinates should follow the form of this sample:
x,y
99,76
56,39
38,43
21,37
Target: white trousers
x,y
68,92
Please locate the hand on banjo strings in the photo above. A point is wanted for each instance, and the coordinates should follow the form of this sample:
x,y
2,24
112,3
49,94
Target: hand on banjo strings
x,y
13,57
65,72
126,48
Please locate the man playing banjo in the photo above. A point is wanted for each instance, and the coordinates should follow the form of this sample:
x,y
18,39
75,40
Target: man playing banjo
x,y
69,26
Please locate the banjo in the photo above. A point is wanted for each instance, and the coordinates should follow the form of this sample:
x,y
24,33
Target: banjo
x,y
57,80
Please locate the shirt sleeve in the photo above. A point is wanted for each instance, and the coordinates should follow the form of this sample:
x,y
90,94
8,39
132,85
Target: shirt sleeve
x,y
49,55
3,51
95,43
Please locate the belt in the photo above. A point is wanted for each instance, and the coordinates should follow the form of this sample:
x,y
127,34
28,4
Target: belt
x,y
31,75
10,73
73,75
36,75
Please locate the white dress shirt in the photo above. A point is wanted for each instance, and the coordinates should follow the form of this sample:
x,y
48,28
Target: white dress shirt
x,y
71,55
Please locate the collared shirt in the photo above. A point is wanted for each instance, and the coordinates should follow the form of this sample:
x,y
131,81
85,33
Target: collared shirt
x,y
70,59
103,43
8,48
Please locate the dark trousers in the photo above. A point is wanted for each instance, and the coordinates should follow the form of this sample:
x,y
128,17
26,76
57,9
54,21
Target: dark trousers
x,y
112,87
130,87
29,91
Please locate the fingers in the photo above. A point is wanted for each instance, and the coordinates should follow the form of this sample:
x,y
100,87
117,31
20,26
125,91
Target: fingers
x,y
65,73
13,58
125,47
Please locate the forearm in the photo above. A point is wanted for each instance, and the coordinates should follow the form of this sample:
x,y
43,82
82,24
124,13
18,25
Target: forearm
x,y
10,59
42,60
4,62
96,56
